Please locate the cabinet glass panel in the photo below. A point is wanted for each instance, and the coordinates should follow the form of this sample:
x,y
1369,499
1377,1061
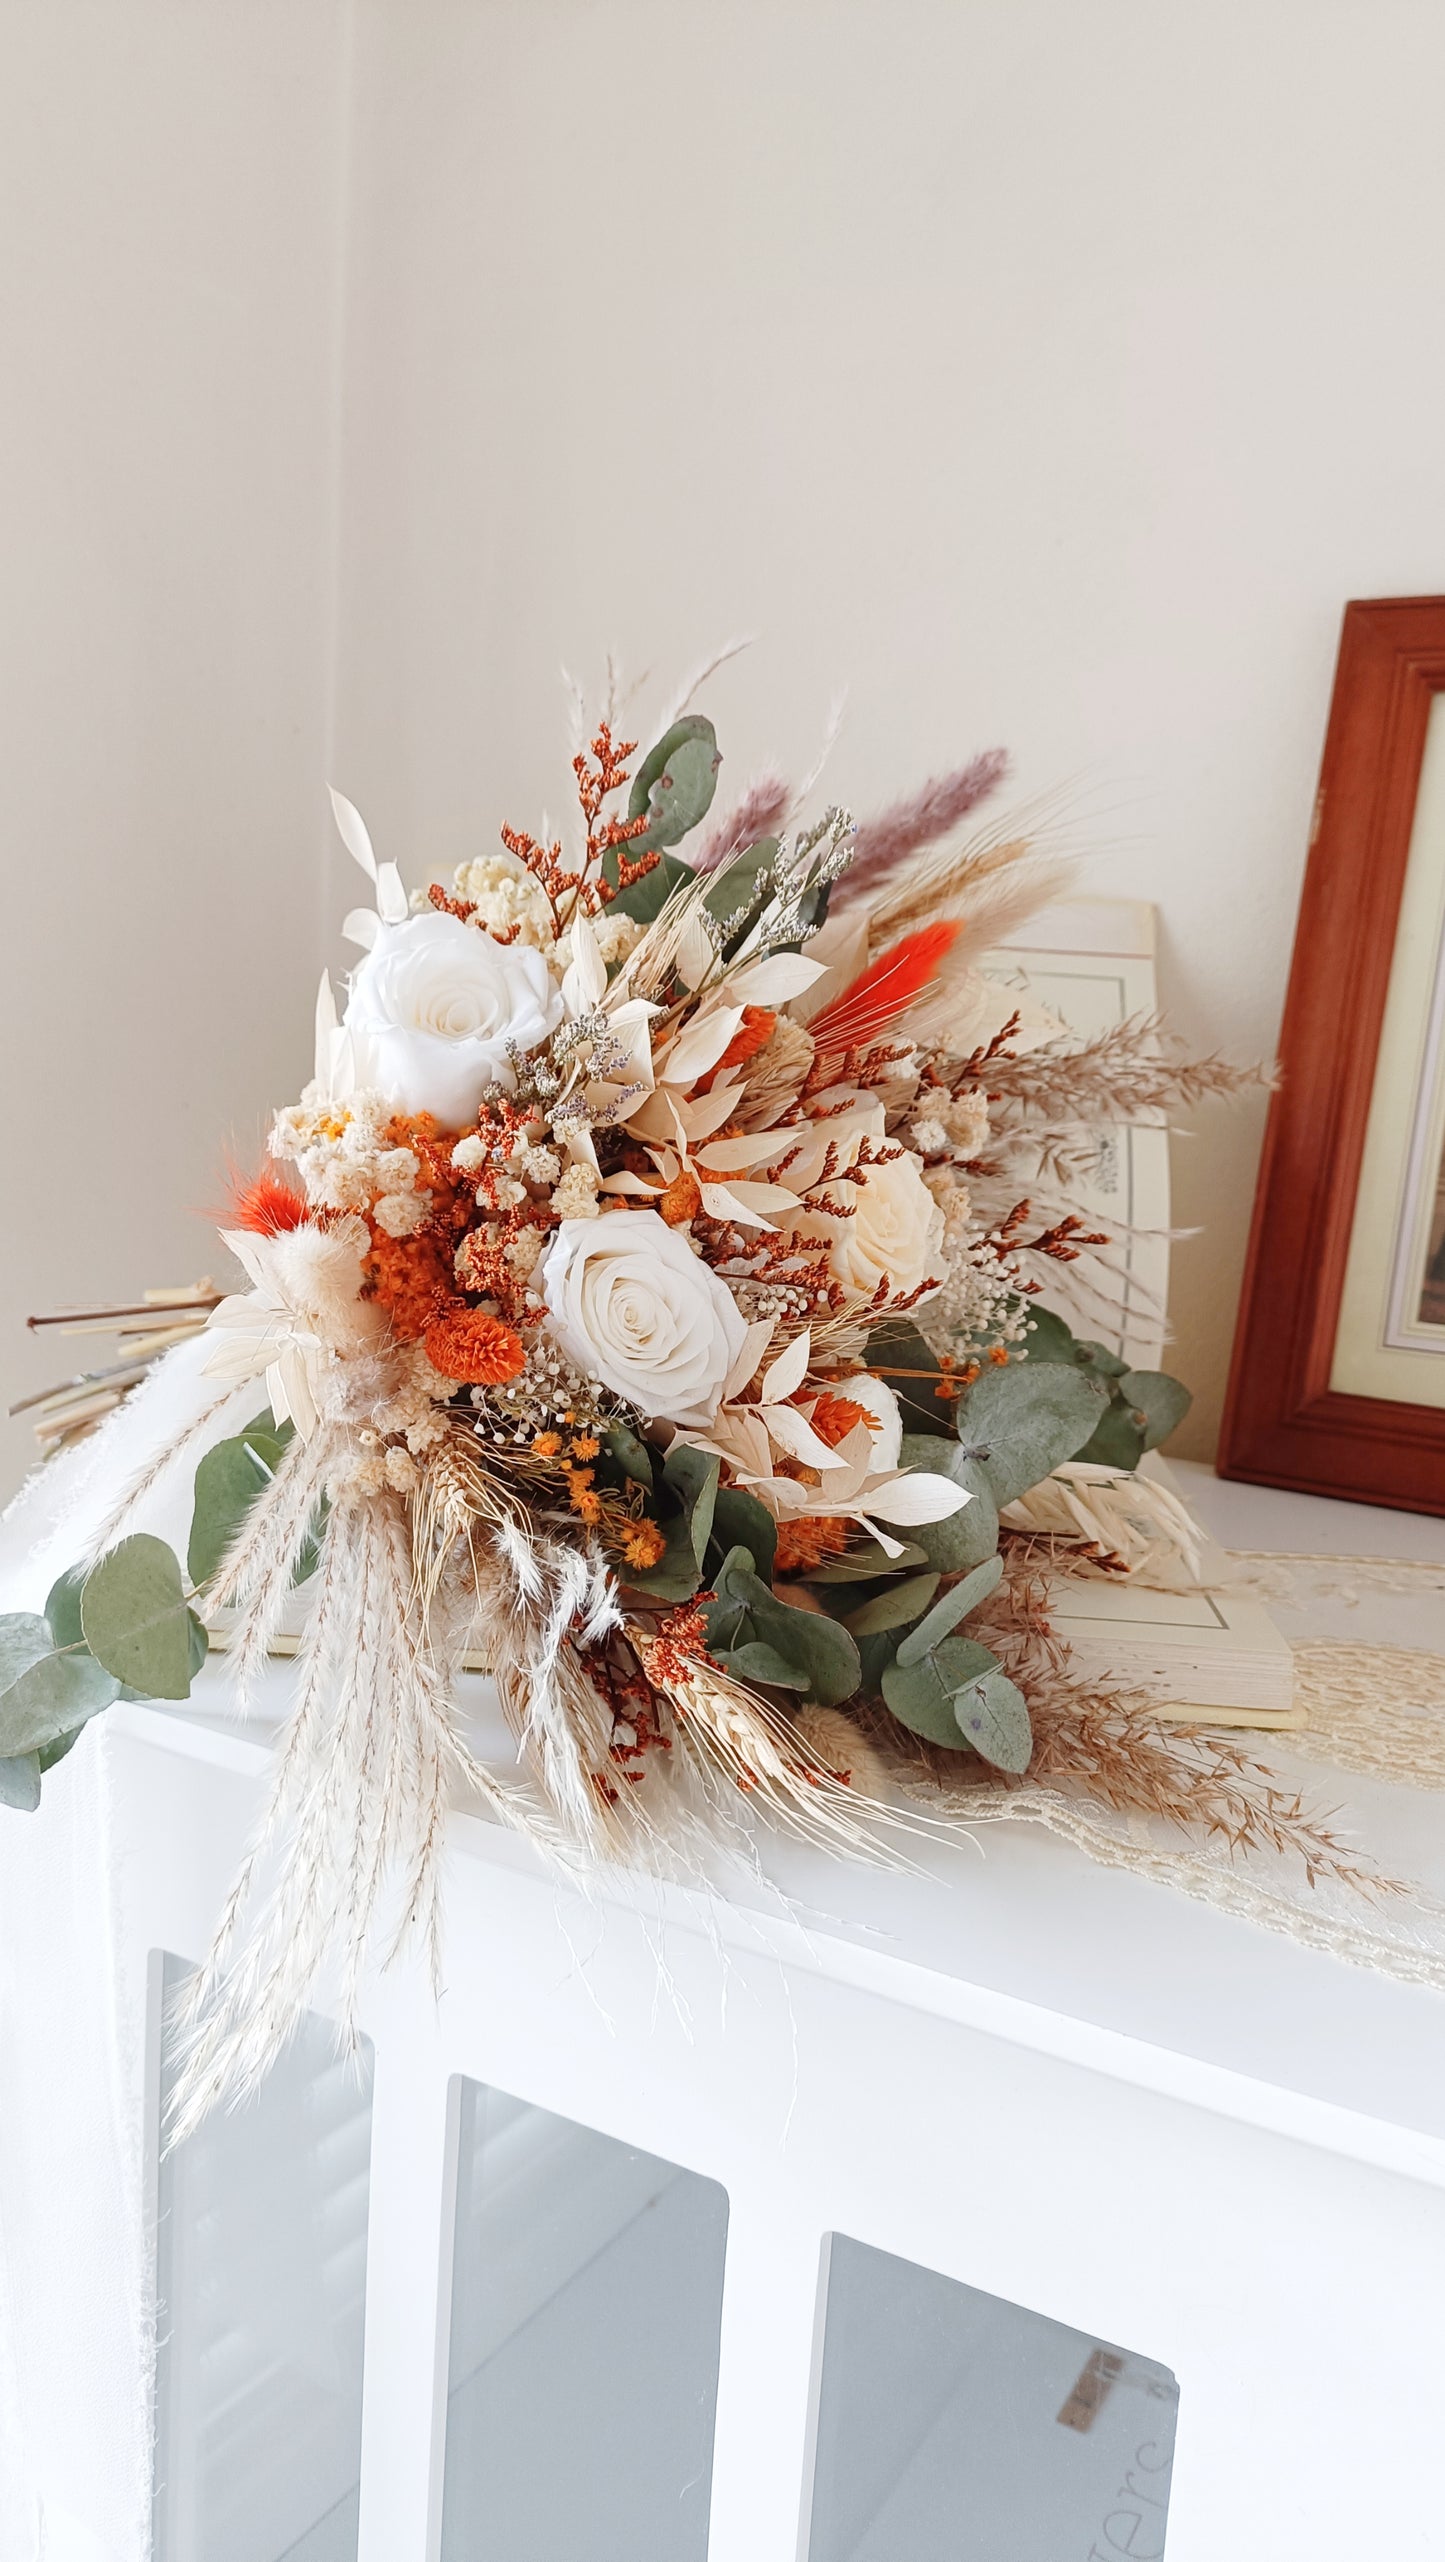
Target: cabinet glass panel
x,y
261,2288
955,2427
582,2376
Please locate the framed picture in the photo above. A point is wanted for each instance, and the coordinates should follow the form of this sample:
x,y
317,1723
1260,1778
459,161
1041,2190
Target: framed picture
x,y
1338,1378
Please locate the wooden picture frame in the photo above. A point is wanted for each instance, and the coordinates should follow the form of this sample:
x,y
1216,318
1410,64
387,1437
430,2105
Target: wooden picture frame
x,y
1291,1418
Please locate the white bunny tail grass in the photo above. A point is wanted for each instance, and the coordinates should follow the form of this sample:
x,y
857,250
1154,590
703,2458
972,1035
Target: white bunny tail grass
x,y
358,1802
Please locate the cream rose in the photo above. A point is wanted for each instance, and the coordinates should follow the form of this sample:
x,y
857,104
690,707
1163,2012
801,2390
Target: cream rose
x,y
632,1305
432,1008
896,1231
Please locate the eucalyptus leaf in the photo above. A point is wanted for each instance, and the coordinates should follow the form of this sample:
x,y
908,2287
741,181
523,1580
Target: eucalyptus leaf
x,y
993,1715
735,891
44,1691
20,1782
894,1607
1118,1441
759,1662
865,1564
198,1642
228,1480
1163,1403
1021,1422
50,1754
62,1607
898,1353
674,785
956,1604
646,898
963,1541
1048,1338
629,1455
1097,1356
921,1696
740,1521
745,1611
136,1622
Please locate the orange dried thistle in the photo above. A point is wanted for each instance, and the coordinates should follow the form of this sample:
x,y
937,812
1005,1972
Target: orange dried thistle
x,y
808,1542
479,1351
753,1034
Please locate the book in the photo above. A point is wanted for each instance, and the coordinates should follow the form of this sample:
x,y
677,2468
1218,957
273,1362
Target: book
x,y
1208,1656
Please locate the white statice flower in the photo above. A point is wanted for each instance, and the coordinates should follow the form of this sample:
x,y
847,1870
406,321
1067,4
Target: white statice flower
x,y
895,1233
929,1137
576,1194
432,1008
400,1214
631,1304
540,1165
302,1317
470,1154
504,895
965,1119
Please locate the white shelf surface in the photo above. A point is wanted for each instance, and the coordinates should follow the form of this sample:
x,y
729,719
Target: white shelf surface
x,y
1019,1934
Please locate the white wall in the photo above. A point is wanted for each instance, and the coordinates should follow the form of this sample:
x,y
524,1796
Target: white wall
x,y
1042,372
169,203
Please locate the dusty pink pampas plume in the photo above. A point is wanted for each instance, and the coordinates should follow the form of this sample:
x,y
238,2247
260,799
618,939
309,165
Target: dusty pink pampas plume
x,y
884,842
760,812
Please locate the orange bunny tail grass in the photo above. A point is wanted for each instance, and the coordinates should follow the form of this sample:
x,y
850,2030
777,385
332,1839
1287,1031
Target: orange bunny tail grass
x,y
265,1207
886,988
478,1350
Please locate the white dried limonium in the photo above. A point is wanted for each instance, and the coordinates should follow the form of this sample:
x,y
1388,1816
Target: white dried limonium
x,y
632,1305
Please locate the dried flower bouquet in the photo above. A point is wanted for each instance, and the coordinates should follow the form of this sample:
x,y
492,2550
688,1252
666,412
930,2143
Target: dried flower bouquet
x,y
647,1283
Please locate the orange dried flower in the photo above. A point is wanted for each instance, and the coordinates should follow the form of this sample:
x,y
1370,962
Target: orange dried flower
x,y
682,1200
806,1542
547,1445
833,1418
753,1034
585,1447
642,1544
479,1350
411,1278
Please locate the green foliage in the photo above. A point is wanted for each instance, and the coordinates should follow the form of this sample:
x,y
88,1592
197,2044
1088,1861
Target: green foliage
x,y
1021,1422
899,1354
958,1696
740,1521
20,1782
896,1606
1143,1406
228,1480
647,898
629,1456
746,1615
734,891
690,1477
946,1613
135,1618
674,785
962,1542
867,1564
45,1690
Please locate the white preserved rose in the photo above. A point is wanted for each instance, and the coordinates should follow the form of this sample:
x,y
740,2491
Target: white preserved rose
x,y
432,1008
896,1231
632,1305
